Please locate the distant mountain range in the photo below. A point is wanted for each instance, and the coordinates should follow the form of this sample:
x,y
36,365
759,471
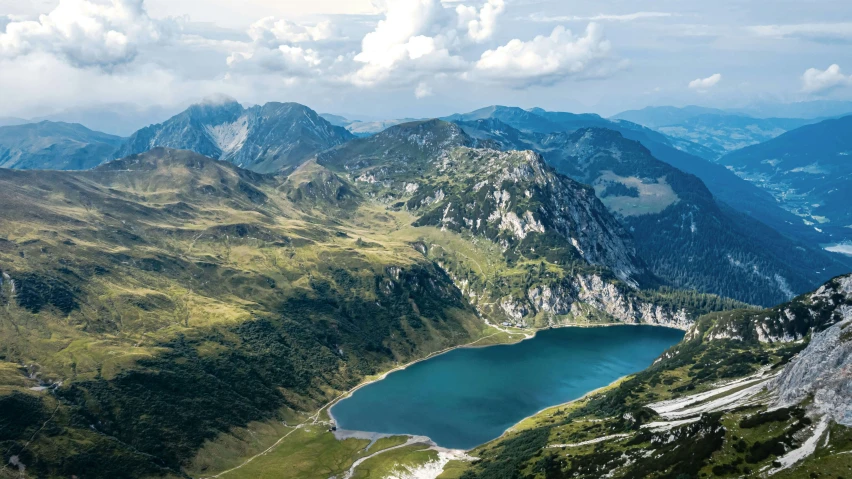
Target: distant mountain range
x,y
56,146
809,171
718,131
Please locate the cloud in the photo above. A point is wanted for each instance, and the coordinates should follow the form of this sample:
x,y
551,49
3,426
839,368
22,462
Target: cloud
x,y
276,47
629,17
289,61
87,34
481,25
273,33
704,84
423,90
820,81
807,31
421,37
546,59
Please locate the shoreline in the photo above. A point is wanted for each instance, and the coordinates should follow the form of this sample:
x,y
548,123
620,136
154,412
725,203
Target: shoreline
x,y
472,345
315,418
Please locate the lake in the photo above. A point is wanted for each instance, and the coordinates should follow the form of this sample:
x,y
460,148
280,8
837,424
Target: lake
x,y
469,396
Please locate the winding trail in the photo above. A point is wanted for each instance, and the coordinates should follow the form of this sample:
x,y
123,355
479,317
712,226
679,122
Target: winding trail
x,y
314,419
411,441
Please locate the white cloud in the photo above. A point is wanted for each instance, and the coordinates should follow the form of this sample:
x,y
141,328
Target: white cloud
x,y
480,25
629,17
423,90
704,84
546,59
273,33
289,61
87,34
819,81
421,37
276,47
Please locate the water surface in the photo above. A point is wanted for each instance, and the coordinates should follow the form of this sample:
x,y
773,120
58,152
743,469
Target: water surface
x,y
467,397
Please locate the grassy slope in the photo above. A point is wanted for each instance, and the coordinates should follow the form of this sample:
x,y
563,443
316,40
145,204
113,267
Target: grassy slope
x,y
186,297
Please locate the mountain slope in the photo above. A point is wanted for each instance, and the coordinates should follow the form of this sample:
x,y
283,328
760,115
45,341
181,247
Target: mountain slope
x,y
686,156
54,146
163,310
263,138
161,300
808,170
546,248
741,396
670,211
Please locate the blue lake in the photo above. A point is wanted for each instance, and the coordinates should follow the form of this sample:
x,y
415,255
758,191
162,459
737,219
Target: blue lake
x,y
469,396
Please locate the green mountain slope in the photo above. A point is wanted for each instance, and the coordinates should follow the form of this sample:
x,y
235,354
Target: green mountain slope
x,y
54,146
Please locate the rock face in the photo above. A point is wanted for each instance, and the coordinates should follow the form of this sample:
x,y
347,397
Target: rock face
x,y
681,232
516,200
791,321
563,255
824,370
263,138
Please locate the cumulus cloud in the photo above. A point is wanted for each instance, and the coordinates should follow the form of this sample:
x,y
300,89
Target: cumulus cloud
x,y
277,47
273,33
422,37
546,59
480,25
289,61
86,34
704,84
820,81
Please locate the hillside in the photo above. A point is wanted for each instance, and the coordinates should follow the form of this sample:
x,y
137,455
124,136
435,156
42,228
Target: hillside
x,y
263,138
807,170
686,156
54,146
162,310
676,222
741,396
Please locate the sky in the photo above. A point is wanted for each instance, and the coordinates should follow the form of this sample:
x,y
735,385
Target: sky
x,y
380,59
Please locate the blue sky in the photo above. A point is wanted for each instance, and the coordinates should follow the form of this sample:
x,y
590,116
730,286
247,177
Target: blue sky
x,y
415,58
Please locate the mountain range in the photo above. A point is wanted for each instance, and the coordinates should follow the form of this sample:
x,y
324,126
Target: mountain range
x,y
50,145
669,211
193,305
263,138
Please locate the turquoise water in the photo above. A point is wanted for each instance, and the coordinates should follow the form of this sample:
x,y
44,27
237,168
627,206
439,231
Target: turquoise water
x,y
467,397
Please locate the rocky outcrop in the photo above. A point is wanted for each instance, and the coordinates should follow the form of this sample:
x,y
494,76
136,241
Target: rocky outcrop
x,y
789,322
823,370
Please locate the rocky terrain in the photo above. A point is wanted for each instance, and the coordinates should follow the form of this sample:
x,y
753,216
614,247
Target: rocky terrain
x,y
263,138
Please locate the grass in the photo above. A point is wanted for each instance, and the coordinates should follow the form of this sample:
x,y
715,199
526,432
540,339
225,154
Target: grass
x,y
395,462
